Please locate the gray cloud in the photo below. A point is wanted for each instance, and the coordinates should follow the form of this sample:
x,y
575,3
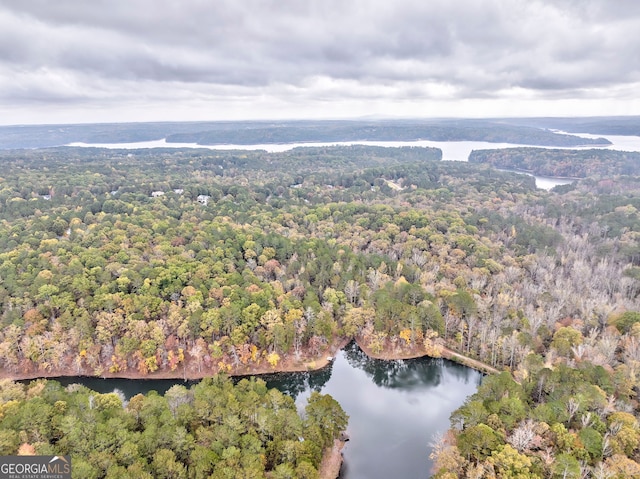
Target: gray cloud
x,y
110,53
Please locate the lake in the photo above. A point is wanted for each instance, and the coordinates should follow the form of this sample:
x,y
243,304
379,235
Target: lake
x,y
395,407
451,150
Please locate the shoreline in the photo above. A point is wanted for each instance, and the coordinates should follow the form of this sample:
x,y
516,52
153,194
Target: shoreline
x,y
416,352
189,372
332,461
332,458
533,173
290,365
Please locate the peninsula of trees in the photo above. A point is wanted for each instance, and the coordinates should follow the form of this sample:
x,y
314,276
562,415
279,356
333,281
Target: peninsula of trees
x,y
211,430
562,163
458,130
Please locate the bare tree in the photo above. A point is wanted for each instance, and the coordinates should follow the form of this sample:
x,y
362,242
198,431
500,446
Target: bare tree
x,y
607,347
351,290
374,277
523,436
600,471
572,407
419,258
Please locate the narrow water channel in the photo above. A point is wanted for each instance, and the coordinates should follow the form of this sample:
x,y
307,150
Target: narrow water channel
x,y
395,407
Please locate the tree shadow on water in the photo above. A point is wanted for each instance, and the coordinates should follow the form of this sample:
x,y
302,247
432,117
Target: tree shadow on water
x,y
294,384
397,374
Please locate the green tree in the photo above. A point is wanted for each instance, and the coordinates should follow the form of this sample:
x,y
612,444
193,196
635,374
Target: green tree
x,y
625,321
510,464
566,338
165,465
325,416
566,467
478,442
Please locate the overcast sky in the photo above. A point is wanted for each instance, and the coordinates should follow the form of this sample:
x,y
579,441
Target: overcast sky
x,y
68,61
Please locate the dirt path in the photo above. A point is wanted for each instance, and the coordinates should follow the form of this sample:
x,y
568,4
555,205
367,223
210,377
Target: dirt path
x,y
393,185
418,352
331,461
467,361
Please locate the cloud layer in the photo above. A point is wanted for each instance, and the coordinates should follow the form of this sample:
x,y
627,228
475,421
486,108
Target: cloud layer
x,y
194,59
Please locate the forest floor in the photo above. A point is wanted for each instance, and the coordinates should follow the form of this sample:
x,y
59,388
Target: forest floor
x,y
331,461
190,370
289,363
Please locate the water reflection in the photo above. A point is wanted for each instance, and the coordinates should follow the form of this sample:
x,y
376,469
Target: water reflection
x,y
295,384
128,387
405,374
395,408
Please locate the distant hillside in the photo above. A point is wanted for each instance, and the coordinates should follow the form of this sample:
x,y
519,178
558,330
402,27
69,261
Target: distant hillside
x,y
42,136
242,133
561,163
463,130
616,125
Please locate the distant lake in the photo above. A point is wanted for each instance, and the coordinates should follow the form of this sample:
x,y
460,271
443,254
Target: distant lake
x,y
618,142
451,150
543,182
395,407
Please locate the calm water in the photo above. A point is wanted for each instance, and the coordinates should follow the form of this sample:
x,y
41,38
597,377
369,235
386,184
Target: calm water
x,y
451,150
395,407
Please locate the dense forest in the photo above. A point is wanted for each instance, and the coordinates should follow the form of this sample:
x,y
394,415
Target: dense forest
x,y
607,125
194,262
444,130
593,163
225,262
215,429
